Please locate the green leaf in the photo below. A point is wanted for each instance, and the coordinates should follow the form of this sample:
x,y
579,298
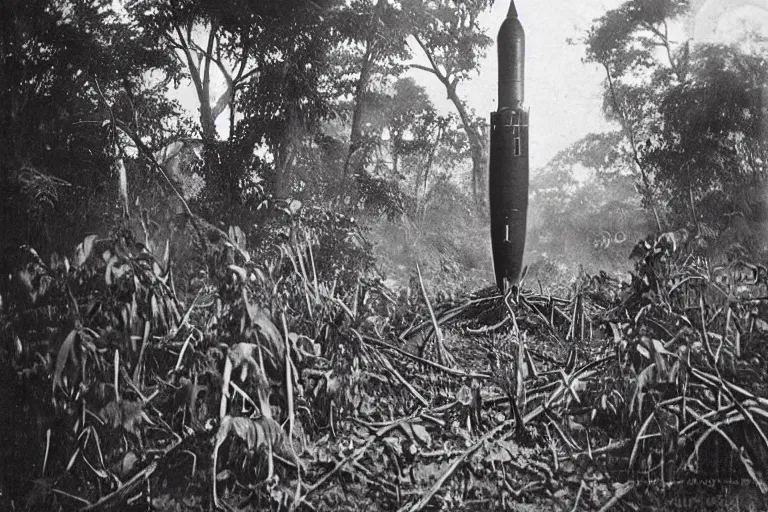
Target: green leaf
x,y
83,250
64,354
245,429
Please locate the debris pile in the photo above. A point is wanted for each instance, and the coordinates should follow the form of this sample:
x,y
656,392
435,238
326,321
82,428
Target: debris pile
x,y
273,388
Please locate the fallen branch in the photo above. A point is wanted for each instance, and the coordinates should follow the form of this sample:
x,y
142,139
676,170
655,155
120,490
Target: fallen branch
x,y
618,445
443,355
354,456
405,383
120,494
448,315
437,366
455,464
620,493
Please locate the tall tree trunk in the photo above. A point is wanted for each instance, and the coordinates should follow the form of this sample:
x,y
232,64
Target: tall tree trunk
x,y
369,58
476,144
288,154
629,132
201,78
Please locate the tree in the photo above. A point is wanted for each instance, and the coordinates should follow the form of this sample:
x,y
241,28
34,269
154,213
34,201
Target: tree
x,y
263,63
624,42
450,36
375,33
71,73
414,130
417,132
223,44
709,152
690,119
584,208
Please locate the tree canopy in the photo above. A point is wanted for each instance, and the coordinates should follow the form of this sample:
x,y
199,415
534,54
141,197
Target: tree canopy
x,y
690,116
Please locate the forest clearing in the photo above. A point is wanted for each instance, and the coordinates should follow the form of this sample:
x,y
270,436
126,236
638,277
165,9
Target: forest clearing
x,y
284,299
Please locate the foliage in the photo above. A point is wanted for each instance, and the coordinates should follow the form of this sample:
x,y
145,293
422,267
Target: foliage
x,y
282,72
677,370
690,120
454,256
710,140
74,76
235,348
276,369
449,35
584,211
376,33
103,332
624,42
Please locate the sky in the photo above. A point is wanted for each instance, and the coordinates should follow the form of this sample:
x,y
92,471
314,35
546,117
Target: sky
x,y
563,94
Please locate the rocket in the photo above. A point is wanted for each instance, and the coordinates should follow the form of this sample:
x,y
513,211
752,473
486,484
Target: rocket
x,y
508,167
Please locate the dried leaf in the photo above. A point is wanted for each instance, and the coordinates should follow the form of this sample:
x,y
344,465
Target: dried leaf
x,y
658,352
108,270
464,395
223,475
421,434
127,463
240,272
394,443
124,413
643,380
223,432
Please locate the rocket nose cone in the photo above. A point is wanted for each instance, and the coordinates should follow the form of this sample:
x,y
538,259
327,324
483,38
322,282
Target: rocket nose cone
x,y
512,11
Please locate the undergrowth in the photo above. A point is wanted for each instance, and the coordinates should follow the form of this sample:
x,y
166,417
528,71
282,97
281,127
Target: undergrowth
x,y
295,381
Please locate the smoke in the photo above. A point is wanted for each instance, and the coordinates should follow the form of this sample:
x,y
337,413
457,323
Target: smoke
x,y
582,222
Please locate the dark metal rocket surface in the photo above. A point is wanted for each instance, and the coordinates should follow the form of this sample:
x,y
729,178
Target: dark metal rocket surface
x,y
508,168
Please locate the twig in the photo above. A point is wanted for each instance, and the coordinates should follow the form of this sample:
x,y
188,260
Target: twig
x,y
142,350
489,328
442,353
623,490
355,455
71,496
47,451
438,366
404,382
537,311
183,350
455,464
618,445
704,332
449,315
528,486
124,489
582,486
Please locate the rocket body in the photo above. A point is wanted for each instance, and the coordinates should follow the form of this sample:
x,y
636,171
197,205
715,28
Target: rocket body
x,y
508,173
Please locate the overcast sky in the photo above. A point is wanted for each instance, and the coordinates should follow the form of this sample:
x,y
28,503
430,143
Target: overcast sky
x,y
563,94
